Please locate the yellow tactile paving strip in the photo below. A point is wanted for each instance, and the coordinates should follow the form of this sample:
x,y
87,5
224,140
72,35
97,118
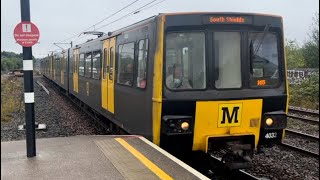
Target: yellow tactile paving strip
x,y
131,164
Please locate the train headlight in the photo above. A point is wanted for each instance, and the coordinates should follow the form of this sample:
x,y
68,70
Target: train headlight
x,y
269,121
185,126
274,120
175,124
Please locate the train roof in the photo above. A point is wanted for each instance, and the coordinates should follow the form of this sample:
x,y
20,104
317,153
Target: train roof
x,y
150,19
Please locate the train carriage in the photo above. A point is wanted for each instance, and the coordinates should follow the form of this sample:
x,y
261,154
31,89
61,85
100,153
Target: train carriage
x,y
187,81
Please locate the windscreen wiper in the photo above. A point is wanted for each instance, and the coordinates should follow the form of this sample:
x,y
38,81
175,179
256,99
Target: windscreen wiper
x,y
251,57
253,53
266,29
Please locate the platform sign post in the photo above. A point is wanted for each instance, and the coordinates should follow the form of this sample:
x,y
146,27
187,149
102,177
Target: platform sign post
x,y
27,34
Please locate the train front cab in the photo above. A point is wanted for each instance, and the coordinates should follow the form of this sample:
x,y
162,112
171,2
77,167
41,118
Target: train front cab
x,y
224,84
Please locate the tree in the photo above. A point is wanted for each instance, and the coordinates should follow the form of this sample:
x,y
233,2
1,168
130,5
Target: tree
x,y
10,60
311,47
294,55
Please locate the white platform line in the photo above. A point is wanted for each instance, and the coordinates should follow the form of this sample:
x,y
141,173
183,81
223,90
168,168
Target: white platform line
x,y
182,164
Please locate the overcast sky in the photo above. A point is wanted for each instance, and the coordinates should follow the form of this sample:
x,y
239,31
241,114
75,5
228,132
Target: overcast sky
x,y
58,20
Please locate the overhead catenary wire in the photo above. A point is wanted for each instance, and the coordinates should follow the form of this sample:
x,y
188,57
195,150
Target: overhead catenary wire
x,y
142,8
152,5
112,14
130,4
132,12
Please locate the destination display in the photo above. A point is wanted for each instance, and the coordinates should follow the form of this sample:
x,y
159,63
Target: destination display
x,y
228,19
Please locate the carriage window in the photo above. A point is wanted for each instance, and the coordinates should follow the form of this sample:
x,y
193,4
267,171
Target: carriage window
x,y
185,61
88,65
65,63
264,57
63,66
81,65
57,64
96,64
227,59
105,59
111,63
74,61
71,64
53,64
142,63
125,66
61,63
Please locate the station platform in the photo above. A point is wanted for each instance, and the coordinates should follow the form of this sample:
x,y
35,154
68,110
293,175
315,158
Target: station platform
x,y
93,157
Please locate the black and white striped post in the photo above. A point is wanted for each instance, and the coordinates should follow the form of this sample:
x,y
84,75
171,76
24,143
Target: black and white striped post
x,y
28,87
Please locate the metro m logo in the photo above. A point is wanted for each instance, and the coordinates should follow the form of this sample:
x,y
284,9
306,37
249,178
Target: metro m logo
x,y
229,115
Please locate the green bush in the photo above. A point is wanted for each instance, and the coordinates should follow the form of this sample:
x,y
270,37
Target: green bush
x,y
305,94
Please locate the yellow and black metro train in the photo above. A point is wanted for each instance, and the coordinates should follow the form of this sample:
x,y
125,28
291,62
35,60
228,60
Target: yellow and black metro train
x,y
185,81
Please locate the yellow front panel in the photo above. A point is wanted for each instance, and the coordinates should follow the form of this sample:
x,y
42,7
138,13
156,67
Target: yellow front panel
x,y
226,118
111,81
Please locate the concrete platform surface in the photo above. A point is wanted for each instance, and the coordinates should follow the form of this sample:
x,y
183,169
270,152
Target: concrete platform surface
x,y
93,157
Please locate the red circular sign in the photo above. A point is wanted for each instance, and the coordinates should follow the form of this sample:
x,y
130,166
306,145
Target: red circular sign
x,y
26,34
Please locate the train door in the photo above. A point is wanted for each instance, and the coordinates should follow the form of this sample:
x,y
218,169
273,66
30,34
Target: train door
x,y
104,79
76,70
110,75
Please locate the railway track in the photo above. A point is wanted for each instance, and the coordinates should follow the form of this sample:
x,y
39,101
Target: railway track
x,y
304,135
301,150
308,116
235,174
96,118
293,109
43,87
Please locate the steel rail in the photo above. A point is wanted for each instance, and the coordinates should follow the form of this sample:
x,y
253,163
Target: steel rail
x,y
308,112
304,135
44,88
298,149
82,108
236,174
309,120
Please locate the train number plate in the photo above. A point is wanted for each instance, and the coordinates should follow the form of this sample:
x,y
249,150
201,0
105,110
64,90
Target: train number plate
x,y
230,115
271,135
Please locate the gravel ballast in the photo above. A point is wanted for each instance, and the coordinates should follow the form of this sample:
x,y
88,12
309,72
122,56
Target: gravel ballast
x,y
60,115
279,163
